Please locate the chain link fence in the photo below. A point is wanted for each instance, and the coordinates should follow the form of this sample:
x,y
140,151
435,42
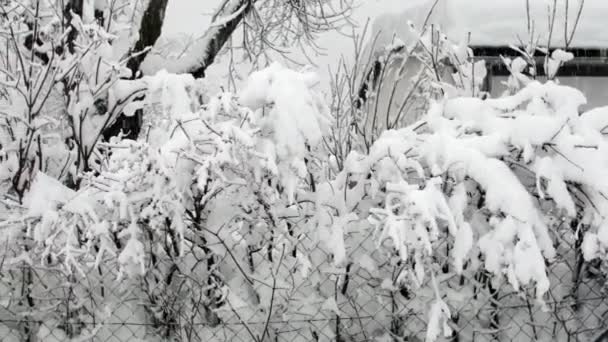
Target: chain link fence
x,y
184,298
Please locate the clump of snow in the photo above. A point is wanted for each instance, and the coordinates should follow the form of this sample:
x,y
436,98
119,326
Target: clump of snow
x,y
298,115
46,194
439,317
291,112
557,59
562,56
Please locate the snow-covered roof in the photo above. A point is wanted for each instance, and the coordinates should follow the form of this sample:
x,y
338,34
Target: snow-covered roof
x,y
501,22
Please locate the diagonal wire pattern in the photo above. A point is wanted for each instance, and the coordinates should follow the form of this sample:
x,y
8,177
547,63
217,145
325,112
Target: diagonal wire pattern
x,y
202,296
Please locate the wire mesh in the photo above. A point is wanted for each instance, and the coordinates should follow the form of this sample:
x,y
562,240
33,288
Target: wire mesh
x,y
184,298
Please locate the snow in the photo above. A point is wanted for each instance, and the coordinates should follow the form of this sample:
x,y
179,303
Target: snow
x,y
298,119
46,194
556,187
561,55
241,192
367,263
438,317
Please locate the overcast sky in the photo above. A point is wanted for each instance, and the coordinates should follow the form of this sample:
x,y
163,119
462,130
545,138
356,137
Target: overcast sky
x,y
487,19
188,16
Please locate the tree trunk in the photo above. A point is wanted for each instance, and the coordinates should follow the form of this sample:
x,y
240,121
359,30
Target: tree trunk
x,y
149,31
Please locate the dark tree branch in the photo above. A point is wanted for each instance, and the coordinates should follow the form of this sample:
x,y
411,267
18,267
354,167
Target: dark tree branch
x,y
74,6
149,31
218,36
369,83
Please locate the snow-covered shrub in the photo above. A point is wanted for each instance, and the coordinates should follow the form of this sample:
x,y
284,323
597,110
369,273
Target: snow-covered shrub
x,y
240,209
61,86
479,189
391,87
498,176
206,182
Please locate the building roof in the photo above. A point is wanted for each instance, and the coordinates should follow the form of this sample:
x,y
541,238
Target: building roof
x,y
587,62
